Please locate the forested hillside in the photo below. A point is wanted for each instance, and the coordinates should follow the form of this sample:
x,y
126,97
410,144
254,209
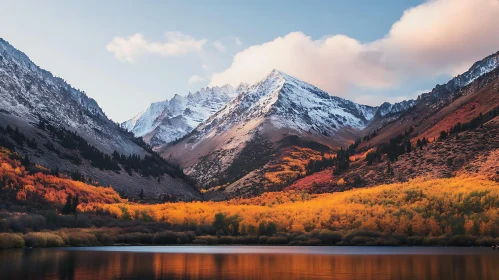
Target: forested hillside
x,y
456,211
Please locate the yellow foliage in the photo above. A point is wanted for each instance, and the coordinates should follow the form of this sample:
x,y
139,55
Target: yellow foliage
x,y
460,205
292,165
418,207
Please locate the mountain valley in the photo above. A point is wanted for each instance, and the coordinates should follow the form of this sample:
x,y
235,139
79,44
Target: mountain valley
x,y
276,162
278,134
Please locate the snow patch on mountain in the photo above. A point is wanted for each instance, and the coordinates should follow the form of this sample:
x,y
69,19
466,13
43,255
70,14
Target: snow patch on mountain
x,y
16,67
168,120
387,108
280,106
277,106
290,103
478,69
31,93
441,94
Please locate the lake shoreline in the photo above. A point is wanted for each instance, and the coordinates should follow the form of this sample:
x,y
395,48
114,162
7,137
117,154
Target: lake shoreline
x,y
324,238
252,245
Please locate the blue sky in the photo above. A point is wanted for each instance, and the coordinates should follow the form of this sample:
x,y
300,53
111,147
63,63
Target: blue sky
x,y
72,38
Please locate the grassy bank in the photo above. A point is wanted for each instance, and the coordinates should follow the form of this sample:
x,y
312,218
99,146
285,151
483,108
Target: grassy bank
x,y
113,236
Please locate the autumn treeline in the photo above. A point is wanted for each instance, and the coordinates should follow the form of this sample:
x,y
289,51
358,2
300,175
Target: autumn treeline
x,y
455,211
438,207
39,185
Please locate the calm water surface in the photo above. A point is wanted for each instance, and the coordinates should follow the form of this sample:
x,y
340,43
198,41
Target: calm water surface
x,y
239,262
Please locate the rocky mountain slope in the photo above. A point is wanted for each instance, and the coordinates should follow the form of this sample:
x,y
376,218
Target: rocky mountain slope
x,y
29,94
445,105
452,131
468,153
261,121
239,147
246,140
169,120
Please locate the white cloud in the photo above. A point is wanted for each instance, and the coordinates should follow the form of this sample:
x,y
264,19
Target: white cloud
x,y
219,46
332,63
205,66
176,43
442,36
238,42
437,37
195,79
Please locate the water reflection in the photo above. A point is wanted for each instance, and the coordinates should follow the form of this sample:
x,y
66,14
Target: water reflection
x,y
72,264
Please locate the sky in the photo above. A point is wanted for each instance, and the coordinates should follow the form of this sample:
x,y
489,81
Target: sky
x,y
128,54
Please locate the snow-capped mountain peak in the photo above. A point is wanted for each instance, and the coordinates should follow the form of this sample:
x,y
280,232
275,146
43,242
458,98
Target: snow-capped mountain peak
x,y
16,64
478,69
168,120
280,101
442,93
388,108
30,93
276,108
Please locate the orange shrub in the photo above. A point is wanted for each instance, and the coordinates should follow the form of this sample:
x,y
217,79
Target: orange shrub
x,y
52,189
292,165
418,207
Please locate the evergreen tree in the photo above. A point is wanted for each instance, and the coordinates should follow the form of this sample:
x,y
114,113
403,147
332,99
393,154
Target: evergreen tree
x,y
26,161
262,228
66,210
408,147
75,205
419,144
271,228
141,194
424,142
342,162
389,169
220,222
373,156
443,135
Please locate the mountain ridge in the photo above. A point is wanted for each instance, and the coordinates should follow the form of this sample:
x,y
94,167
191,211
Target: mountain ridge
x,y
175,126
275,108
89,103
169,120
429,103
280,106
81,138
226,136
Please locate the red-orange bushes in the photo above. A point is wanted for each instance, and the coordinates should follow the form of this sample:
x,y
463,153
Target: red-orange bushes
x,y
52,189
321,178
292,165
420,207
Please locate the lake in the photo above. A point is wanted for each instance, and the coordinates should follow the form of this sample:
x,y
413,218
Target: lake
x,y
250,262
